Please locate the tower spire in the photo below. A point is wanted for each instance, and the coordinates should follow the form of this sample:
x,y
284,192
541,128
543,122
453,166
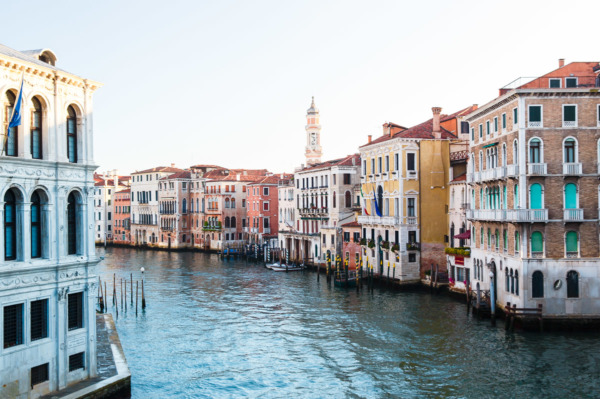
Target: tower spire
x,y
313,135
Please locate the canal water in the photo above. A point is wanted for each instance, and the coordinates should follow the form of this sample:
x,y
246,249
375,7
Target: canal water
x,y
222,329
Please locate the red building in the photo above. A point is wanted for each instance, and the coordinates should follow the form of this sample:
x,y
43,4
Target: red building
x,y
263,208
351,249
122,209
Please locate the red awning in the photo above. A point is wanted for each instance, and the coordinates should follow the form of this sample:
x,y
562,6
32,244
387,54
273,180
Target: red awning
x,y
464,236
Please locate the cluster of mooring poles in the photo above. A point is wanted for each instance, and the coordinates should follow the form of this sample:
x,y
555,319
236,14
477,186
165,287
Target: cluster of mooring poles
x,y
119,294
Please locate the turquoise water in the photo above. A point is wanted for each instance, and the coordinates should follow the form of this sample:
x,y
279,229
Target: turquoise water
x,y
222,329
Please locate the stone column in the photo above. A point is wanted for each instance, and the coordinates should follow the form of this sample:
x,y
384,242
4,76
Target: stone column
x,y
62,360
2,231
24,212
48,231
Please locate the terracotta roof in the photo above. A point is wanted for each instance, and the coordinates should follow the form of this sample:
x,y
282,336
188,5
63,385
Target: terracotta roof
x,y
206,166
462,112
274,179
124,191
164,169
460,178
234,178
352,224
184,174
346,161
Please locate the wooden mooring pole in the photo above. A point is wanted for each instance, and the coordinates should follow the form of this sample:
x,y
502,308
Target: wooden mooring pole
x,y
136,297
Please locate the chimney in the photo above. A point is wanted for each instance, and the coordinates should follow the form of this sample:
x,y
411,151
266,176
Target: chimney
x,y
238,177
437,133
561,62
172,165
370,138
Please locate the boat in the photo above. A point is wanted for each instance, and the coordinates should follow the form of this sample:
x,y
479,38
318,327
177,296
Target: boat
x,y
288,268
271,265
340,279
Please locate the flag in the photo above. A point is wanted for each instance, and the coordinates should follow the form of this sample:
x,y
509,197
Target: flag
x,y
377,209
15,120
364,202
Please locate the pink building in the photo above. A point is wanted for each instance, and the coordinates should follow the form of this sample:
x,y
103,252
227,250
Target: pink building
x,y
263,209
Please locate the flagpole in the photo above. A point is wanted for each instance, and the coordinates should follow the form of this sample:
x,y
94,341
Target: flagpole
x,y
16,106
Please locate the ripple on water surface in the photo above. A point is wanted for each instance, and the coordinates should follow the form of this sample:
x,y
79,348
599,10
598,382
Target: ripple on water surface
x,y
219,329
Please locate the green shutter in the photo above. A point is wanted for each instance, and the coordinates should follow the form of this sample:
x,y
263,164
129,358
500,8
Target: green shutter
x,y
517,241
537,242
569,113
505,239
503,121
572,241
570,196
515,116
535,113
516,199
535,196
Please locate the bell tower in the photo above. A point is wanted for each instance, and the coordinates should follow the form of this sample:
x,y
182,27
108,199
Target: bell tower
x,y
313,135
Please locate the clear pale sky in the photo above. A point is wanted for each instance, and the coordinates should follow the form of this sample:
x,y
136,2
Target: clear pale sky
x,y
229,82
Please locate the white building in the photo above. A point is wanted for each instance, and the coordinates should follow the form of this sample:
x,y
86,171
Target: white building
x,y
47,271
105,187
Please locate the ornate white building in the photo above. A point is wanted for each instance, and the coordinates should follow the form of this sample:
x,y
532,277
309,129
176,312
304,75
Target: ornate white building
x,y
48,284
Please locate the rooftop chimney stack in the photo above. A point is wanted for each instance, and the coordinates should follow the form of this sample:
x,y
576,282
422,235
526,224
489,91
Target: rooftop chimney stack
x,y
561,62
370,138
172,165
436,122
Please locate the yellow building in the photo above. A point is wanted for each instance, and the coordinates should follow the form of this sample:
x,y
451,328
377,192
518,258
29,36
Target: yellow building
x,y
405,175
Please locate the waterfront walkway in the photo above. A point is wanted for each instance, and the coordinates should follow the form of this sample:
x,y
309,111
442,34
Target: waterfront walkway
x,y
114,378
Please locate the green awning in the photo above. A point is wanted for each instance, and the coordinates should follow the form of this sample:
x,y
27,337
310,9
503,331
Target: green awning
x,y
490,145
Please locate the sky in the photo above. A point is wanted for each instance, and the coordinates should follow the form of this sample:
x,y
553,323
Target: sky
x,y
229,82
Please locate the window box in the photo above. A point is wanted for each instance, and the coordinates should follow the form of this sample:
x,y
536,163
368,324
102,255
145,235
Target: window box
x,y
460,251
413,246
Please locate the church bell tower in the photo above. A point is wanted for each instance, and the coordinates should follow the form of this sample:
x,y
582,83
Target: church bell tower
x,y
313,135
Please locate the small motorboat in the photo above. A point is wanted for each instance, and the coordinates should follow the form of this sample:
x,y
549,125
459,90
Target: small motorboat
x,y
287,268
272,265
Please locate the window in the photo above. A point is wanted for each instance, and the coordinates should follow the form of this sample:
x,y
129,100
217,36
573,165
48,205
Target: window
x,y
11,142
569,151
265,206
10,226
472,134
72,134
569,116
72,228
505,240
39,374
347,175
516,196
346,236
75,304
410,207
76,361
39,319
379,165
535,116
487,128
13,325
266,223
570,82
265,191
537,243
372,165
495,124
537,284
504,122
410,162
535,196
397,164
480,130
598,115
535,150
554,83
334,200
515,117
412,257
183,206
572,284
570,196
348,198
572,245
364,168
36,129
387,164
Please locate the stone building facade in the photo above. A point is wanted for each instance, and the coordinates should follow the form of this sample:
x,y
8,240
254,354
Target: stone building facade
x,y
48,282
533,175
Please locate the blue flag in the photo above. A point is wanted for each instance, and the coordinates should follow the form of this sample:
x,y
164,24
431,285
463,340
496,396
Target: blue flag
x,y
377,209
15,120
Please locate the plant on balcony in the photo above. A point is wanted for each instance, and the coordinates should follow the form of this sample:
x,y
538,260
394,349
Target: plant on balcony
x,y
462,251
412,246
219,224
385,245
363,241
396,247
371,244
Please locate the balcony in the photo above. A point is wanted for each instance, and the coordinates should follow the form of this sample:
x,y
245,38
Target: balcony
x,y
413,246
512,170
266,230
569,124
573,215
383,220
488,214
411,220
537,169
534,124
527,215
571,168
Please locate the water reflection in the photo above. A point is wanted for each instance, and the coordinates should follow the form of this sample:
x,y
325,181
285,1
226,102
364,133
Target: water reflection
x,y
231,329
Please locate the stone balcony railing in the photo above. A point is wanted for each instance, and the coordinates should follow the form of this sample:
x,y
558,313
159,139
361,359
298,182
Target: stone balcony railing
x,y
537,169
387,220
572,168
573,215
509,215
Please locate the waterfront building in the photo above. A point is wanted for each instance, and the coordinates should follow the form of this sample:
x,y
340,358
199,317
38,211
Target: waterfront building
x,y
105,187
144,204
533,174
175,202
48,274
405,175
287,209
122,216
262,208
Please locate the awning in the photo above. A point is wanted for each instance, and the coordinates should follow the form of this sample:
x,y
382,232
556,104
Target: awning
x,y
464,236
490,145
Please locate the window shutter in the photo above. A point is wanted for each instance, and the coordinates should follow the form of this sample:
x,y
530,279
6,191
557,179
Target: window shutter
x,y
535,113
464,127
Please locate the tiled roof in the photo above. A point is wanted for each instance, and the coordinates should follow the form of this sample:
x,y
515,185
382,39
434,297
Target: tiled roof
x,y
164,169
460,178
462,112
346,161
184,174
274,179
352,224
124,191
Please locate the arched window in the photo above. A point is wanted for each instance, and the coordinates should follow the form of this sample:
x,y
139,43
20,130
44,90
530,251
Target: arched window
x,y
36,226
515,152
535,151
11,142
334,200
184,206
512,282
226,202
516,196
517,242
571,242
348,199
233,202
506,280
535,196
480,161
36,129
380,198
570,151
537,284
517,282
497,239
72,227
537,243
570,196
71,134
233,222
452,235
10,226
572,284
226,222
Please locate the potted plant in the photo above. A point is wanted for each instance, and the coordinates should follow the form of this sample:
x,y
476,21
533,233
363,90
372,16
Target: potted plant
x,y
363,241
395,247
371,244
385,245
